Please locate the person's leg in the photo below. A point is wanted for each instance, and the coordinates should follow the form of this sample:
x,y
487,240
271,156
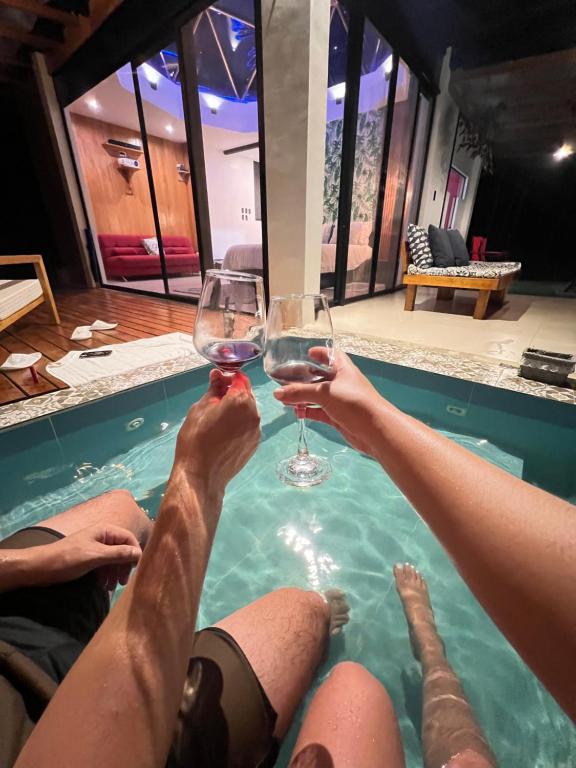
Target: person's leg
x,y
284,636
350,721
115,507
449,727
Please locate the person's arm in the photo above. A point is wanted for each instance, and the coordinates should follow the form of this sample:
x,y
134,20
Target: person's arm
x,y
118,704
110,549
514,544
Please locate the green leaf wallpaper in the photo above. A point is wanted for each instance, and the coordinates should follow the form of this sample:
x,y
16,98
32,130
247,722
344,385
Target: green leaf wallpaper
x,y
368,159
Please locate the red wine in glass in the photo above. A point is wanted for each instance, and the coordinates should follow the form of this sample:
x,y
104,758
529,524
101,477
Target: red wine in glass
x,y
231,355
299,372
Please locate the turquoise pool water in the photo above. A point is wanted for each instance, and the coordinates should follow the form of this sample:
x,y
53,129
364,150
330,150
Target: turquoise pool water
x,y
347,533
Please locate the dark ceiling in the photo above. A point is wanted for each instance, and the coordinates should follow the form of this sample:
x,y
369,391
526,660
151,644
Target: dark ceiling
x,y
514,74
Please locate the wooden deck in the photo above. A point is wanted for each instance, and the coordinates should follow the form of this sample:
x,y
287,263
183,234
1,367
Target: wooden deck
x,y
138,317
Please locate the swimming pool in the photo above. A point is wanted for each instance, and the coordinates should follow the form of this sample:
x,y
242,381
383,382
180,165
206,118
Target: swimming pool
x,y
347,532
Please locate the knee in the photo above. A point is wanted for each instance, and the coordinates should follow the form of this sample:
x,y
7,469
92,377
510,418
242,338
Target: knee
x,y
355,678
126,512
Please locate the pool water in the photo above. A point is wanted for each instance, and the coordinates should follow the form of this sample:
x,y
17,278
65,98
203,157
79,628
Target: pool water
x,y
346,533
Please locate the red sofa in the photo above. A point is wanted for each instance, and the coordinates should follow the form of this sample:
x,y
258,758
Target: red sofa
x,y
125,256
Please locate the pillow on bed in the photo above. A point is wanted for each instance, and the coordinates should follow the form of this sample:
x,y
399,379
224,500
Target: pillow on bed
x,y
419,247
327,231
441,247
360,232
461,255
151,246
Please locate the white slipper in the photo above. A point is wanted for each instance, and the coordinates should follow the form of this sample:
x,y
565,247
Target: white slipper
x,y
81,332
17,361
100,325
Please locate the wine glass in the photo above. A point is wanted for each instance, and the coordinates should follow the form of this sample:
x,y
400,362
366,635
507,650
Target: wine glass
x,y
230,324
296,323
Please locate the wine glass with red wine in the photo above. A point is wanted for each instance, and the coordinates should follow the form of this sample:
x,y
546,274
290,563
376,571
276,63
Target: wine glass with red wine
x,y
230,325
295,324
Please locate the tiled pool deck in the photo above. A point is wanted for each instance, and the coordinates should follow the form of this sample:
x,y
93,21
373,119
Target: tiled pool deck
x,y
468,367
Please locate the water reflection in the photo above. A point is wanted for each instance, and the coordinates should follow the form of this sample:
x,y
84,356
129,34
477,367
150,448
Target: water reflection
x,y
319,565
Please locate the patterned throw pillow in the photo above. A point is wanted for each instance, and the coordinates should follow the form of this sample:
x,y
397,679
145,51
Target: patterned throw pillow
x,y
151,246
419,245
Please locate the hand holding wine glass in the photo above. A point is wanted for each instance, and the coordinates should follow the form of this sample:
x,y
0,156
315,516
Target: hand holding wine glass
x,y
297,324
231,319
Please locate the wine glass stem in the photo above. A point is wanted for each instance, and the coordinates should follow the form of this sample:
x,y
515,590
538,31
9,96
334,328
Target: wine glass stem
x,y
302,438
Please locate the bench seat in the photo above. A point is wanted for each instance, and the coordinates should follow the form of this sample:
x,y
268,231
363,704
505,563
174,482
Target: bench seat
x,y
474,269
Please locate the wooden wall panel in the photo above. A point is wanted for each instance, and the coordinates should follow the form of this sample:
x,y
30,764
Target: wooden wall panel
x,y
117,212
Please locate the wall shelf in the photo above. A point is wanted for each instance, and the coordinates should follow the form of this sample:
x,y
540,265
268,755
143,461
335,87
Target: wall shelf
x,y
115,150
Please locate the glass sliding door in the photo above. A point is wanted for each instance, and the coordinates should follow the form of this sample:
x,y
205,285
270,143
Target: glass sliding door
x,y
105,134
405,104
224,55
336,94
163,112
377,61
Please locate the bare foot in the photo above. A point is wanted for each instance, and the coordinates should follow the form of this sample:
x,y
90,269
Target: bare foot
x,y
339,610
413,593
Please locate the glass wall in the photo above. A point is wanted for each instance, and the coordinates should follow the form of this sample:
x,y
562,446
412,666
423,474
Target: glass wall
x,y
375,76
163,110
225,50
105,135
405,104
336,94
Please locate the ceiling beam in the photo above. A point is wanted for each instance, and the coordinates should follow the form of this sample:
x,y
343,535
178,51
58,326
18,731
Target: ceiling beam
x,y
75,37
43,11
34,40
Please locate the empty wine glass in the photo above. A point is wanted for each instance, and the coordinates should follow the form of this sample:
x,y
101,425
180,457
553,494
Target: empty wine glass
x,y
229,329
296,323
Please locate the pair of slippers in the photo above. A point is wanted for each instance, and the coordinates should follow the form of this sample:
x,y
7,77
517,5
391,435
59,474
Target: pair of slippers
x,y
85,331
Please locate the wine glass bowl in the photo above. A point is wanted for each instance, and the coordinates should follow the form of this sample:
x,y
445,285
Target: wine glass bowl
x,y
230,325
296,325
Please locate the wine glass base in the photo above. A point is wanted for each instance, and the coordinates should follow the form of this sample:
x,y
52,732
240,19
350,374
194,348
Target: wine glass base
x,y
303,472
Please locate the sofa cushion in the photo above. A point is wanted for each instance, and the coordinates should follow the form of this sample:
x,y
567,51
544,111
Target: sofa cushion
x,y
151,245
419,246
125,251
441,247
473,269
461,255
169,249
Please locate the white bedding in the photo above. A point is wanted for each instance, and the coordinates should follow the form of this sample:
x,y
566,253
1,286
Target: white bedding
x,y
243,258
16,294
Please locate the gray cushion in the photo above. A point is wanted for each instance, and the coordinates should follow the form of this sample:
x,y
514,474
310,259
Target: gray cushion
x,y
461,255
441,247
419,246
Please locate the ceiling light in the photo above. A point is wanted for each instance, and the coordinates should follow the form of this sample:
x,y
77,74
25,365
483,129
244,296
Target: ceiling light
x,y
213,102
338,92
565,151
151,74
93,104
388,65
169,128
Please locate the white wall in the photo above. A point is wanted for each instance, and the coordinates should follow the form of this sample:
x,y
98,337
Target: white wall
x,y
230,181
444,127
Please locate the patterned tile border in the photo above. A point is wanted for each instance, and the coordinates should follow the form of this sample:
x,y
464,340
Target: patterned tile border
x,y
477,369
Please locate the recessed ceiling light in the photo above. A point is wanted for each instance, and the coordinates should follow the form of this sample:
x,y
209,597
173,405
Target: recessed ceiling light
x,y
213,102
93,104
338,92
169,128
565,151
388,65
151,74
